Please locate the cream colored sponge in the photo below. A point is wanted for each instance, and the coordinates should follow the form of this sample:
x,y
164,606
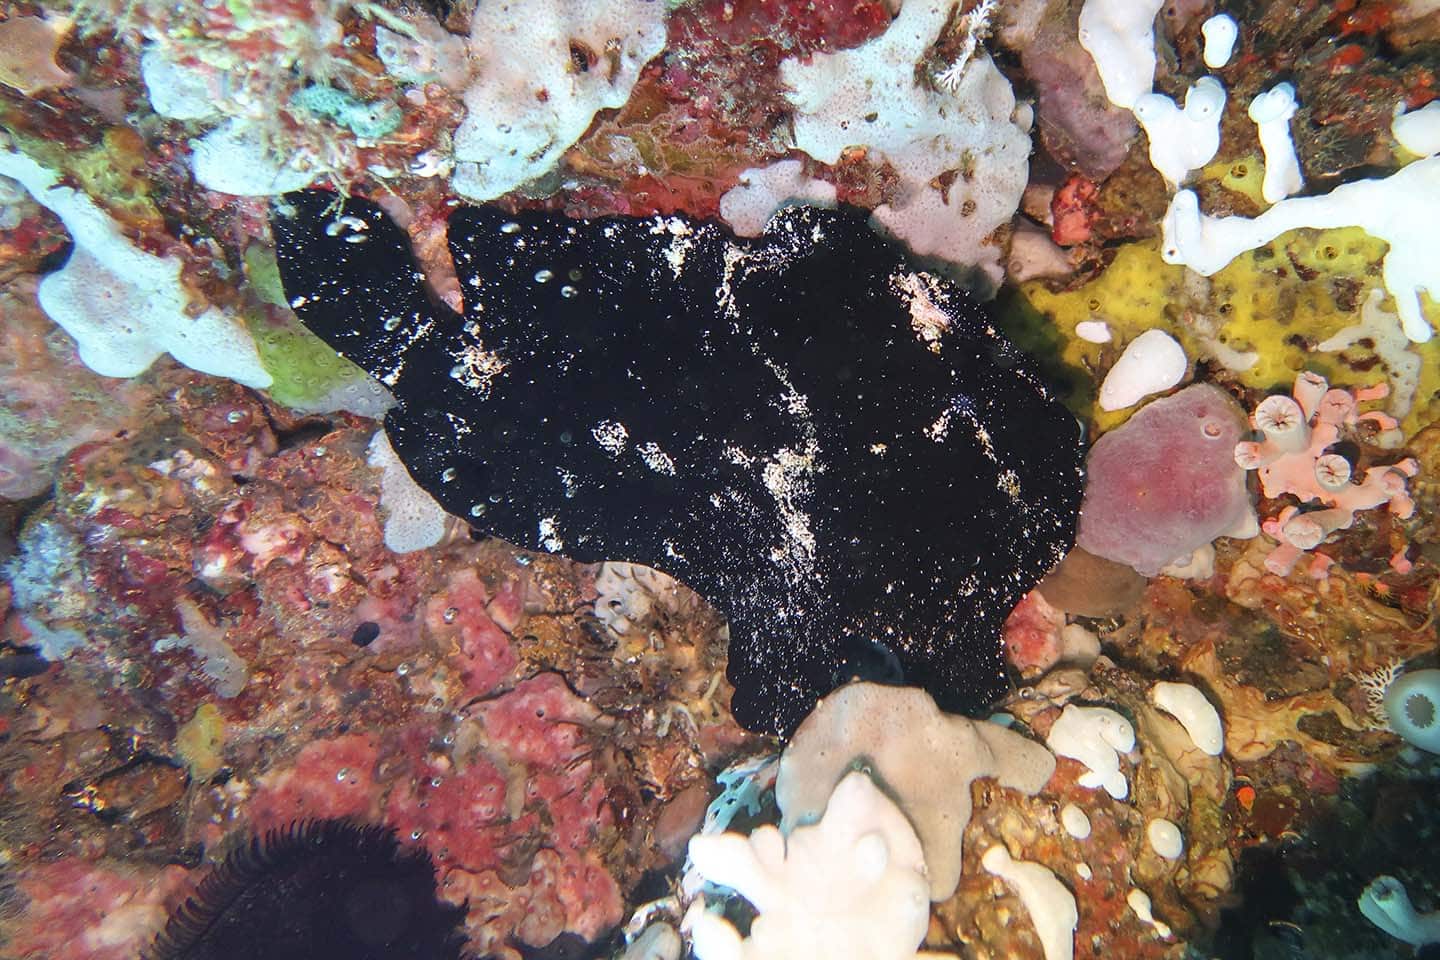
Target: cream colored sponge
x,y
924,758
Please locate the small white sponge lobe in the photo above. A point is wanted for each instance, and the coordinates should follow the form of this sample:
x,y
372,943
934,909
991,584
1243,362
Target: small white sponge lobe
x,y
413,520
237,158
868,97
1195,713
750,204
1051,906
1165,838
1095,736
1220,33
1419,130
1152,362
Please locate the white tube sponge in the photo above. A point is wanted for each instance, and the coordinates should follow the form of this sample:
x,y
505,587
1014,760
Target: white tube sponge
x,y
1271,112
1195,713
1401,209
1412,705
851,886
1119,35
1386,904
1051,907
1182,140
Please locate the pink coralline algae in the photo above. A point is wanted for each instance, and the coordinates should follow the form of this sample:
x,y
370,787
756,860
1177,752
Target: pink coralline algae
x,y
264,676
1303,453
1165,483
50,402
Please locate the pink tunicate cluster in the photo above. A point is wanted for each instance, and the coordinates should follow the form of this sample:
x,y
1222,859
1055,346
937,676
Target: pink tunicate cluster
x,y
1295,457
1166,483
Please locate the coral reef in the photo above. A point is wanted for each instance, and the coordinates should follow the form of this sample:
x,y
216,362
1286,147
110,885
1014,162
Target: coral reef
x,y
231,619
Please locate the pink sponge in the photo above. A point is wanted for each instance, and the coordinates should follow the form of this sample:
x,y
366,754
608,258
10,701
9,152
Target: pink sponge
x,y
1166,483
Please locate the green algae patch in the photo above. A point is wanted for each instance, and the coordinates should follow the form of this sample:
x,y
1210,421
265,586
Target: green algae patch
x,y
308,374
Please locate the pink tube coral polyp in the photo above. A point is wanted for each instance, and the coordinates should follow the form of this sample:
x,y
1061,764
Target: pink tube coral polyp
x,y
1294,457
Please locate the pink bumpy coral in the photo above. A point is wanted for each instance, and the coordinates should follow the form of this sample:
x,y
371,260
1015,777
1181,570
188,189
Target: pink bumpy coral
x,y
1165,483
1294,457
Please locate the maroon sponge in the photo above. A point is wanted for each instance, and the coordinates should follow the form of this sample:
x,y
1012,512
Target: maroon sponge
x,y
1166,483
